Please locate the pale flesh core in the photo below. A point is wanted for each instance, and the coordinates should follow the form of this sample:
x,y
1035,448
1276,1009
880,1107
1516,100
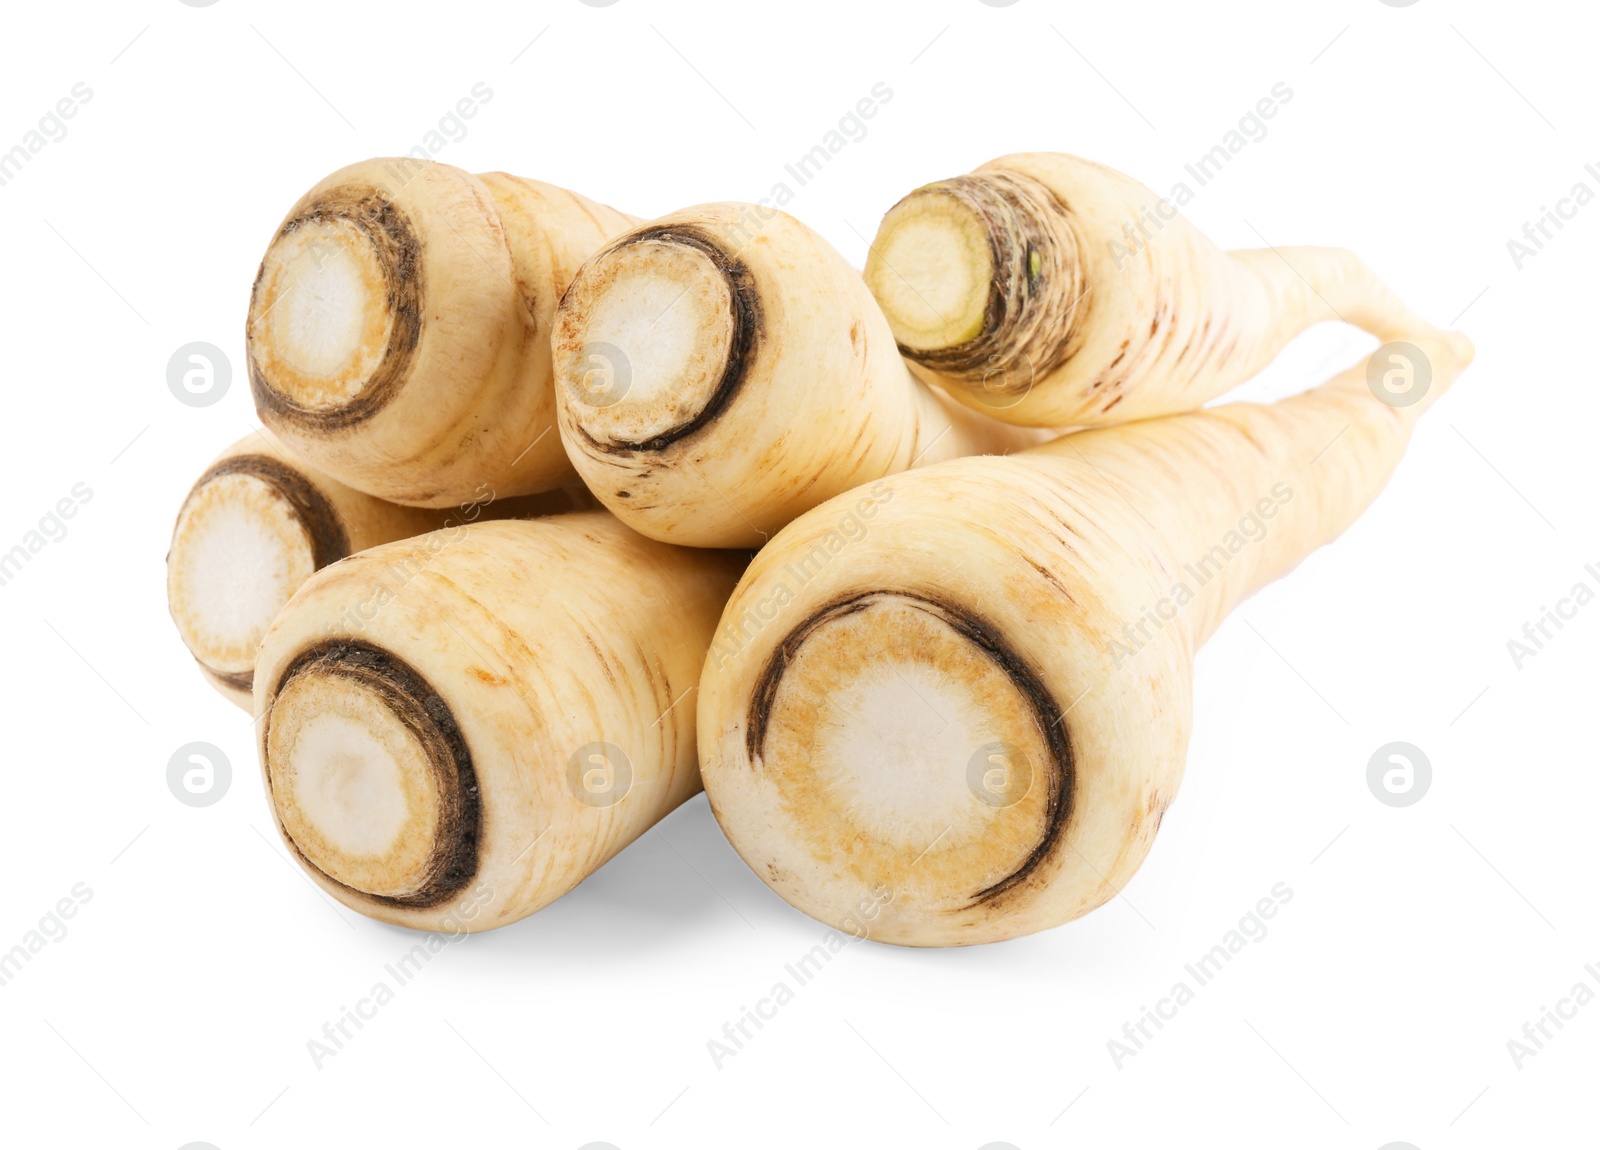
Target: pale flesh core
x,y
906,755
355,788
239,551
930,271
982,281
321,320
654,346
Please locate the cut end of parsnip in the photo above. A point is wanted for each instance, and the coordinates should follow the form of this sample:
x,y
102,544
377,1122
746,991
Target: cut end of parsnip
x,y
250,533
370,777
335,314
915,759
980,278
930,269
651,340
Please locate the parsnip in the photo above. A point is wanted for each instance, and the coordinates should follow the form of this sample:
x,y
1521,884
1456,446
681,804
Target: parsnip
x,y
1048,290
399,329
974,713
258,523
714,384
510,714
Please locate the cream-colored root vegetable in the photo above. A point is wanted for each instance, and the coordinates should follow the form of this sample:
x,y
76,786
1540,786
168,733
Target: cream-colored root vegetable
x,y
963,721
723,369
456,729
399,328
258,523
1048,290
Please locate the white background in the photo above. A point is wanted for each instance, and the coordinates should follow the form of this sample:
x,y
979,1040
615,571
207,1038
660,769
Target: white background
x,y
1418,940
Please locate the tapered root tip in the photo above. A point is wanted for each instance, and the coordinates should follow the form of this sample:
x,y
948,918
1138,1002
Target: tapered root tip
x,y
916,760
251,531
653,339
370,777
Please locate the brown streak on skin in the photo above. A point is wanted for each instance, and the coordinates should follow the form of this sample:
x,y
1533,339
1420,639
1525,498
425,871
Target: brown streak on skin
x,y
605,665
807,486
1050,578
1244,429
856,442
399,253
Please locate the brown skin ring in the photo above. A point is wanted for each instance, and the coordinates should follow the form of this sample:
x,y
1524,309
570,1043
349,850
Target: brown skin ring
x,y
1027,221
746,336
399,252
329,543
983,635
454,860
